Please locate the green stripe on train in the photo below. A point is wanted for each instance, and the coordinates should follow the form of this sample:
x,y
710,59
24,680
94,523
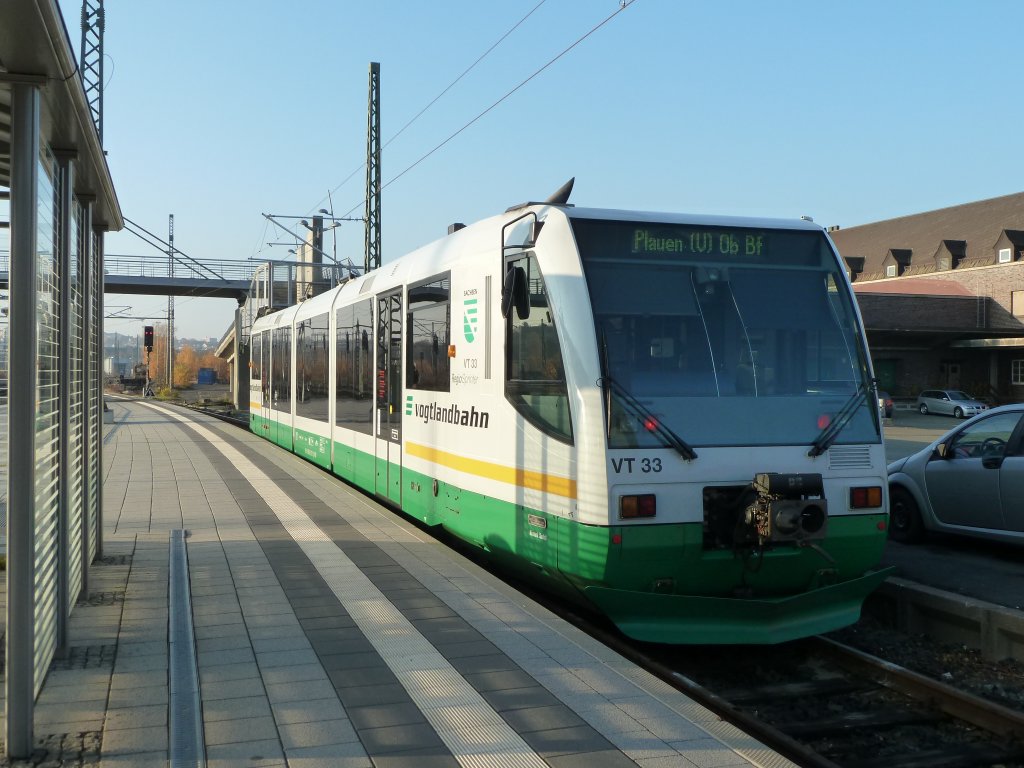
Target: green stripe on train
x,y
655,559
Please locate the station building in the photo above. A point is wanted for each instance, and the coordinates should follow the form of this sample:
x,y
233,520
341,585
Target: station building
x,y
942,297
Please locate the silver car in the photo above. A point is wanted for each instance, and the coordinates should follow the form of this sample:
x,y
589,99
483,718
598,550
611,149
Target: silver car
x,y
951,402
970,481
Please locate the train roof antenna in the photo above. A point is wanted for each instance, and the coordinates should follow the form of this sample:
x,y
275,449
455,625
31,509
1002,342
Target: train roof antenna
x,y
561,196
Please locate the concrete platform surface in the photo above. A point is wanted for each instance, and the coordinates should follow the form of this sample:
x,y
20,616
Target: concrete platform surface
x,y
330,632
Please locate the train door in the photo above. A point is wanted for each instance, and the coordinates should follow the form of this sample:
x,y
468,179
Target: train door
x,y
263,384
269,418
281,387
389,396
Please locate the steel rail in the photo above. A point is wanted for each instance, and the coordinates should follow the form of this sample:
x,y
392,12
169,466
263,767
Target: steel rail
x,y
987,715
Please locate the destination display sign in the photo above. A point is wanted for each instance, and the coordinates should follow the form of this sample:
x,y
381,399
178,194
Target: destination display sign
x,y
726,243
623,241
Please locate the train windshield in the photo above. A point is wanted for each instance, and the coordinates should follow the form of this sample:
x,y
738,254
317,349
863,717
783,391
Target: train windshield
x,y
726,336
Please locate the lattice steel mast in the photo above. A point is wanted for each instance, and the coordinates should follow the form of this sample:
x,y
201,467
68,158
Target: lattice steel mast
x,y
91,64
373,171
170,303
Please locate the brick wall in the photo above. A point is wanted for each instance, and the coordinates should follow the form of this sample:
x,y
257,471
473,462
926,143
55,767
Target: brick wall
x,y
996,282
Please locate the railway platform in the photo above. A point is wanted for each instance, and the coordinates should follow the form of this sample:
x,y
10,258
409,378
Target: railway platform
x,y
326,630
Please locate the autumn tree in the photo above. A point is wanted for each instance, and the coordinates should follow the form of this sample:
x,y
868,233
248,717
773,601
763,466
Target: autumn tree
x,y
186,367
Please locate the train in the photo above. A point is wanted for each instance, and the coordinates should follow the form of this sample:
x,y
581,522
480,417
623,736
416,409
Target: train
x,y
669,419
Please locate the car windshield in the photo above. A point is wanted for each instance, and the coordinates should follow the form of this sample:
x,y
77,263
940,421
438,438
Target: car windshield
x,y
958,395
748,342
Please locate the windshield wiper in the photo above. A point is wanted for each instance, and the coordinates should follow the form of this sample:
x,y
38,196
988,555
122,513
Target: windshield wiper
x,y
831,433
639,411
651,422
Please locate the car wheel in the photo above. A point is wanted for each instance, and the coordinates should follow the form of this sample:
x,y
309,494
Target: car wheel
x,y
958,412
923,408
905,524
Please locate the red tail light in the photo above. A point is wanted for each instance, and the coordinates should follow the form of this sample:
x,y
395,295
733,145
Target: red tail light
x,y
643,505
866,497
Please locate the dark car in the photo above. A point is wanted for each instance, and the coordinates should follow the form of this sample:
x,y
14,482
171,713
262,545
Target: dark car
x,y
885,404
970,481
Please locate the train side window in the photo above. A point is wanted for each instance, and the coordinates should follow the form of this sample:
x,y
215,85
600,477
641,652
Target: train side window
x,y
311,371
429,327
534,372
354,368
281,373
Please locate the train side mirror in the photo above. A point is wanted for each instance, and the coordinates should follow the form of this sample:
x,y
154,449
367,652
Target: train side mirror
x,y
514,293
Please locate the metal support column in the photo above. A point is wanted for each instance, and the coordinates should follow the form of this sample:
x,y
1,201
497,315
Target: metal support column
x,y
88,387
240,374
373,183
170,303
97,250
65,175
91,64
21,503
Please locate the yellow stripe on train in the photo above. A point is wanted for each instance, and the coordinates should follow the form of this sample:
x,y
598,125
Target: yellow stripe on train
x,y
537,481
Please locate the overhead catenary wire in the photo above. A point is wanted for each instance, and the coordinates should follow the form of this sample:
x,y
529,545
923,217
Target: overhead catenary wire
x,y
162,245
464,73
165,246
437,98
623,5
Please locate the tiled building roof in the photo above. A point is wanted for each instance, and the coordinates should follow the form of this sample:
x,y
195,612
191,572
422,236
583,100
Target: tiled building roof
x,y
966,235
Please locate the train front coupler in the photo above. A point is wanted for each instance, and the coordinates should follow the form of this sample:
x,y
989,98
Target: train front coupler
x,y
787,508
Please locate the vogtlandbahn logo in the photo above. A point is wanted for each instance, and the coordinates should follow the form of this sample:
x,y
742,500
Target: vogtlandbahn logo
x,y
469,319
447,414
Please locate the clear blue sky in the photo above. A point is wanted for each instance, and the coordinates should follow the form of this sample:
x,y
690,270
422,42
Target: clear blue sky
x,y
219,110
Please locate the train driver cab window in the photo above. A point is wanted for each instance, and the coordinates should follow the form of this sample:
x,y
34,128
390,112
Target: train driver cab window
x,y
534,373
429,329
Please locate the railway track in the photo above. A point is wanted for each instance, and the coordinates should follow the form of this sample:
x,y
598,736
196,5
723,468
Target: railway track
x,y
236,418
827,705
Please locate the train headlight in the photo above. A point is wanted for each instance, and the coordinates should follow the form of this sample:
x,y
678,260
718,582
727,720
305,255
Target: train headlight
x,y
641,505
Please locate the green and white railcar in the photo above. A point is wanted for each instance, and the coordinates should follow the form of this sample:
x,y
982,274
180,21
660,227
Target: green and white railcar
x,y
669,418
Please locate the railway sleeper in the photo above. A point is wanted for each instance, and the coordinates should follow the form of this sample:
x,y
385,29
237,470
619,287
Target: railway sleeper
x,y
829,686
801,729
